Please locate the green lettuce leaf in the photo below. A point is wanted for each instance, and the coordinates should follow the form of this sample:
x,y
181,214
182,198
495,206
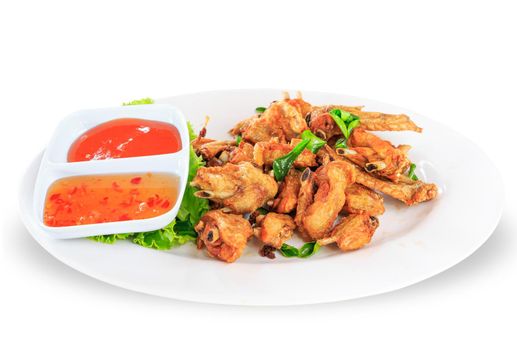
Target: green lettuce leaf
x,y
142,101
192,207
165,238
191,133
110,239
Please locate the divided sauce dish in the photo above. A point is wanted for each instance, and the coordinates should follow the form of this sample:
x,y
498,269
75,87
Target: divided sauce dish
x,y
55,166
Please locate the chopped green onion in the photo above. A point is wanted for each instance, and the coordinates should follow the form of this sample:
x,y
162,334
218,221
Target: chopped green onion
x,y
306,250
411,173
260,109
346,122
238,140
282,164
341,143
262,211
142,101
315,143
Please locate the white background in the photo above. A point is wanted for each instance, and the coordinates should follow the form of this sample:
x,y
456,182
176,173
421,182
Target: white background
x,y
452,61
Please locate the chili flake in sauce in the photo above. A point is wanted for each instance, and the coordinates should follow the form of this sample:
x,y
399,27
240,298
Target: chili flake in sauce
x,y
92,199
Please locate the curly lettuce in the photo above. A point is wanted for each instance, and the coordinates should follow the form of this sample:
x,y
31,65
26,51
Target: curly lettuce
x,y
192,207
110,239
172,235
142,101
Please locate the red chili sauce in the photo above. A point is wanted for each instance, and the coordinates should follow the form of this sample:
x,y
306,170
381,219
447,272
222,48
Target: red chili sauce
x,y
124,138
92,199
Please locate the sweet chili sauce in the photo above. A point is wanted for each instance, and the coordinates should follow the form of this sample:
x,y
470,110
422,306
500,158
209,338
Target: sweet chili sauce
x,y
124,138
92,199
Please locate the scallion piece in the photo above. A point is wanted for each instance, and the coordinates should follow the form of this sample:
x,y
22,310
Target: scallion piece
x,y
306,250
282,164
315,143
260,109
411,173
346,122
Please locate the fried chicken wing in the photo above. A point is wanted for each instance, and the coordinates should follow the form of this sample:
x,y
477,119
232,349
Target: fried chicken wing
x,y
362,200
224,235
305,199
284,119
322,124
209,148
352,232
331,181
264,153
242,153
275,229
243,125
376,155
240,187
288,193
408,191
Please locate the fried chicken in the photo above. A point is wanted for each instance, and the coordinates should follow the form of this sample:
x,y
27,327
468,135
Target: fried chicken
x,y
284,120
322,124
352,232
242,153
288,193
408,191
376,155
224,235
209,148
305,199
264,153
362,200
241,187
331,181
274,229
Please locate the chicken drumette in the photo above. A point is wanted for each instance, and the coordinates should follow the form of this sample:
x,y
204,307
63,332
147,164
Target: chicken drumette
x,y
274,229
240,187
352,232
331,181
284,120
224,235
362,200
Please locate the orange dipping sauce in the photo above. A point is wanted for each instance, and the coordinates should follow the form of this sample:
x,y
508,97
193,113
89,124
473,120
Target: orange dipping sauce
x,y
124,138
92,199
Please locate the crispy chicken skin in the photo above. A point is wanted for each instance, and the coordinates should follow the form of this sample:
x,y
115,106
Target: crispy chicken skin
x,y
275,229
224,235
264,153
362,200
288,193
338,185
322,124
284,119
241,187
209,148
376,155
242,153
352,232
408,191
331,181
305,199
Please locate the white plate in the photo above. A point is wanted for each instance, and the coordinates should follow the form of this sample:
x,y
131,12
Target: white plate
x,y
412,244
